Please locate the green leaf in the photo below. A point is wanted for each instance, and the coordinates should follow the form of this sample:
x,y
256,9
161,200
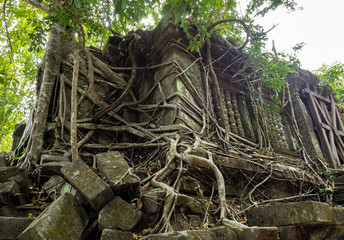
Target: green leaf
x,y
2,80
77,3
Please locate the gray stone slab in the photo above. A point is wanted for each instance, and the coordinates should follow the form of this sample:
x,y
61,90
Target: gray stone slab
x,y
217,233
113,167
53,184
64,219
45,158
301,213
52,168
3,161
109,234
88,183
119,214
11,227
153,199
338,215
10,194
17,134
257,233
20,176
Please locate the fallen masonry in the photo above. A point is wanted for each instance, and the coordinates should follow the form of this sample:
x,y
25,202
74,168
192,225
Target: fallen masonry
x,y
173,145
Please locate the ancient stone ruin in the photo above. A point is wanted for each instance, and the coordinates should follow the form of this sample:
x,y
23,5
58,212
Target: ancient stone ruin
x,y
172,145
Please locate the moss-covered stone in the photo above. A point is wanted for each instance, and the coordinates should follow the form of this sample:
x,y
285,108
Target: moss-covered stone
x,y
113,167
109,234
64,219
88,183
119,214
257,233
223,233
338,215
194,207
195,220
11,227
301,213
20,176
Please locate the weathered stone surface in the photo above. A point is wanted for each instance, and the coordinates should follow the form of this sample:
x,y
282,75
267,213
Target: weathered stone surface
x,y
17,134
92,187
217,233
189,186
119,214
194,207
20,176
64,219
153,199
3,161
195,220
338,215
10,194
109,234
52,168
289,233
300,213
11,227
306,127
316,232
53,184
113,167
257,233
45,158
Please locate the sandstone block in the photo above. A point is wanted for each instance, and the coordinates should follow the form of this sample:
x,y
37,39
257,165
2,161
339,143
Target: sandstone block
x,y
3,161
113,167
338,215
217,233
109,234
119,214
195,220
20,176
301,213
88,183
10,194
194,207
153,199
11,227
257,233
45,158
64,219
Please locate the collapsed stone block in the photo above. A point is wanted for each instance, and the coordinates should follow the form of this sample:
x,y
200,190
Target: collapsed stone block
x,y
11,227
119,214
338,215
10,194
109,234
52,164
194,207
45,158
88,183
17,134
301,213
64,219
257,233
113,167
195,220
153,199
20,176
3,161
216,233
53,184
56,186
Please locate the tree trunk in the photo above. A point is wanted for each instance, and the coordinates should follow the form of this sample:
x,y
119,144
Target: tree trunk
x,y
51,69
